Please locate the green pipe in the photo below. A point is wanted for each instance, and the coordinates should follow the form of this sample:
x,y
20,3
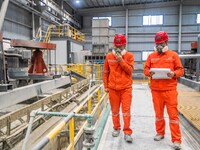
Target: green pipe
x,y
44,113
52,134
100,128
61,114
89,117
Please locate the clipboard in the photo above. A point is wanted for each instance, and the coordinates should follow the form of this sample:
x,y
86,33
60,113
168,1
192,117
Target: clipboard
x,y
160,73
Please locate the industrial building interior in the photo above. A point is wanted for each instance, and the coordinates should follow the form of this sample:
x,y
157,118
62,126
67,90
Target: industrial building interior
x,y
52,55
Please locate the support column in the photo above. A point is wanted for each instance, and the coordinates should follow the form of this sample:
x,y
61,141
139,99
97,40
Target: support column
x,y
198,47
1,60
127,27
198,60
180,27
40,26
33,25
61,4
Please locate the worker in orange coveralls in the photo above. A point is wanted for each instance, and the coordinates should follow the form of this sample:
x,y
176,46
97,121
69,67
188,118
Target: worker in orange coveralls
x,y
164,91
117,78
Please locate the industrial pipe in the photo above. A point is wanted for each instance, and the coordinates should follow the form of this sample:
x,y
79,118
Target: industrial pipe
x,y
56,130
61,114
100,128
53,133
190,56
28,132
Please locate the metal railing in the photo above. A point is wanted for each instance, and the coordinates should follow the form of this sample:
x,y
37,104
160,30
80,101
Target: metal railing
x,y
87,70
97,108
49,103
92,109
63,30
57,129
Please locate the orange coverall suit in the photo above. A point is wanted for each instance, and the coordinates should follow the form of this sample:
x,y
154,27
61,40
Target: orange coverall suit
x,y
164,91
117,78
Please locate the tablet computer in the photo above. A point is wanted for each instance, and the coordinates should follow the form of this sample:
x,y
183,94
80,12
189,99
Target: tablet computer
x,y
160,73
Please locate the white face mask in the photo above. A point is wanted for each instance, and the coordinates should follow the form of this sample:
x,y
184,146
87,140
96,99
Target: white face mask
x,y
121,52
118,50
160,49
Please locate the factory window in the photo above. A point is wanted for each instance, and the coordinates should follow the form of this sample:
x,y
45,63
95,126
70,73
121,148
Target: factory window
x,y
109,18
153,20
198,18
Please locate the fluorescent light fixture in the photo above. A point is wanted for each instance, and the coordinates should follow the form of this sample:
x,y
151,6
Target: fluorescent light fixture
x,y
77,1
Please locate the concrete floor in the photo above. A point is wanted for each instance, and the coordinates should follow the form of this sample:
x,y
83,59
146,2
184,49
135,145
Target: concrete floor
x,y
142,123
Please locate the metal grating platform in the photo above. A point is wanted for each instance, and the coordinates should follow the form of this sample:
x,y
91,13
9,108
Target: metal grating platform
x,y
189,104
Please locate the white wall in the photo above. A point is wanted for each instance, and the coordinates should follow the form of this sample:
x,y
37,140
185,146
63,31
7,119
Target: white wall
x,y
141,38
76,49
61,52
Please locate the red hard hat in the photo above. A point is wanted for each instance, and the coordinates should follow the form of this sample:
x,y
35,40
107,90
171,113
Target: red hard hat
x,y
161,37
119,40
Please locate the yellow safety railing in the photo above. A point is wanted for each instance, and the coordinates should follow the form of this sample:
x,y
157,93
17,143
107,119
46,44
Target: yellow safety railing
x,y
93,108
64,30
48,33
87,69
71,133
102,100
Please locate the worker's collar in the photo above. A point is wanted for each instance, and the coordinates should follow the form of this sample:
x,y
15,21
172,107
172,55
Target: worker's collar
x,y
123,52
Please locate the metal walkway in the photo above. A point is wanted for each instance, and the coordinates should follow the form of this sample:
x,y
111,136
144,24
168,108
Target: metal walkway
x,y
189,104
142,123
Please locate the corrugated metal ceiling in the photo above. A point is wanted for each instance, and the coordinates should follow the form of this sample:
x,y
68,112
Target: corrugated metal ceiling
x,y
83,4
